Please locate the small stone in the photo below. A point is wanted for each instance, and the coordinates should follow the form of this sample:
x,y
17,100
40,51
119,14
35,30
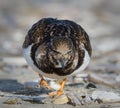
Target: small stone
x,y
13,101
74,100
98,101
106,96
61,100
90,85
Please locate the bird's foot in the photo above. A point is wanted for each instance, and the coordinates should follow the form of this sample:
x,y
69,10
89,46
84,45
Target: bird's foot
x,y
56,93
60,91
43,83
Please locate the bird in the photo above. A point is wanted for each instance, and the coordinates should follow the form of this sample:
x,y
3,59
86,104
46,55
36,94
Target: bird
x,y
57,49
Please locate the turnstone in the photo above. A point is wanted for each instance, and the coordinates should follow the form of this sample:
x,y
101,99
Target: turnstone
x,y
57,49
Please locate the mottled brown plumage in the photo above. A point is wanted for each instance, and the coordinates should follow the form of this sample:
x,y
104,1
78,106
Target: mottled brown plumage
x,y
47,30
57,47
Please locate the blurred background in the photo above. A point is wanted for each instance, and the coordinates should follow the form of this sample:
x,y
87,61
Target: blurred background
x,y
100,18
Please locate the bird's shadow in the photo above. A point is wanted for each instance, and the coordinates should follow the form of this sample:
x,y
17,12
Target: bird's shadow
x,y
13,89
10,85
13,86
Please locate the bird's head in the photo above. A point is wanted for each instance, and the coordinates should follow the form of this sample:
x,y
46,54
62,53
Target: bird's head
x,y
61,52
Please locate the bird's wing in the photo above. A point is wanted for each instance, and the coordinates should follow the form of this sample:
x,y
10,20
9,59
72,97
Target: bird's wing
x,y
84,39
37,34
78,35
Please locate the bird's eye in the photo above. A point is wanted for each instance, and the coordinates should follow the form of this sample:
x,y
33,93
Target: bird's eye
x,y
68,52
55,51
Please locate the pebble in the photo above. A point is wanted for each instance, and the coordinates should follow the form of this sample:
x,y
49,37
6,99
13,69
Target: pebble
x,y
63,99
106,96
90,85
13,101
74,100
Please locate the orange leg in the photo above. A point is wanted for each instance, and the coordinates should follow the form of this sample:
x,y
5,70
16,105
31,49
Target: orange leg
x,y
60,91
43,83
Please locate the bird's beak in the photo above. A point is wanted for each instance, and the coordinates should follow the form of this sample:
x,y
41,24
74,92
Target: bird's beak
x,y
62,63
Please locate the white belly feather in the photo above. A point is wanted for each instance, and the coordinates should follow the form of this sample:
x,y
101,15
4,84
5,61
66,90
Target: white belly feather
x,y
84,64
